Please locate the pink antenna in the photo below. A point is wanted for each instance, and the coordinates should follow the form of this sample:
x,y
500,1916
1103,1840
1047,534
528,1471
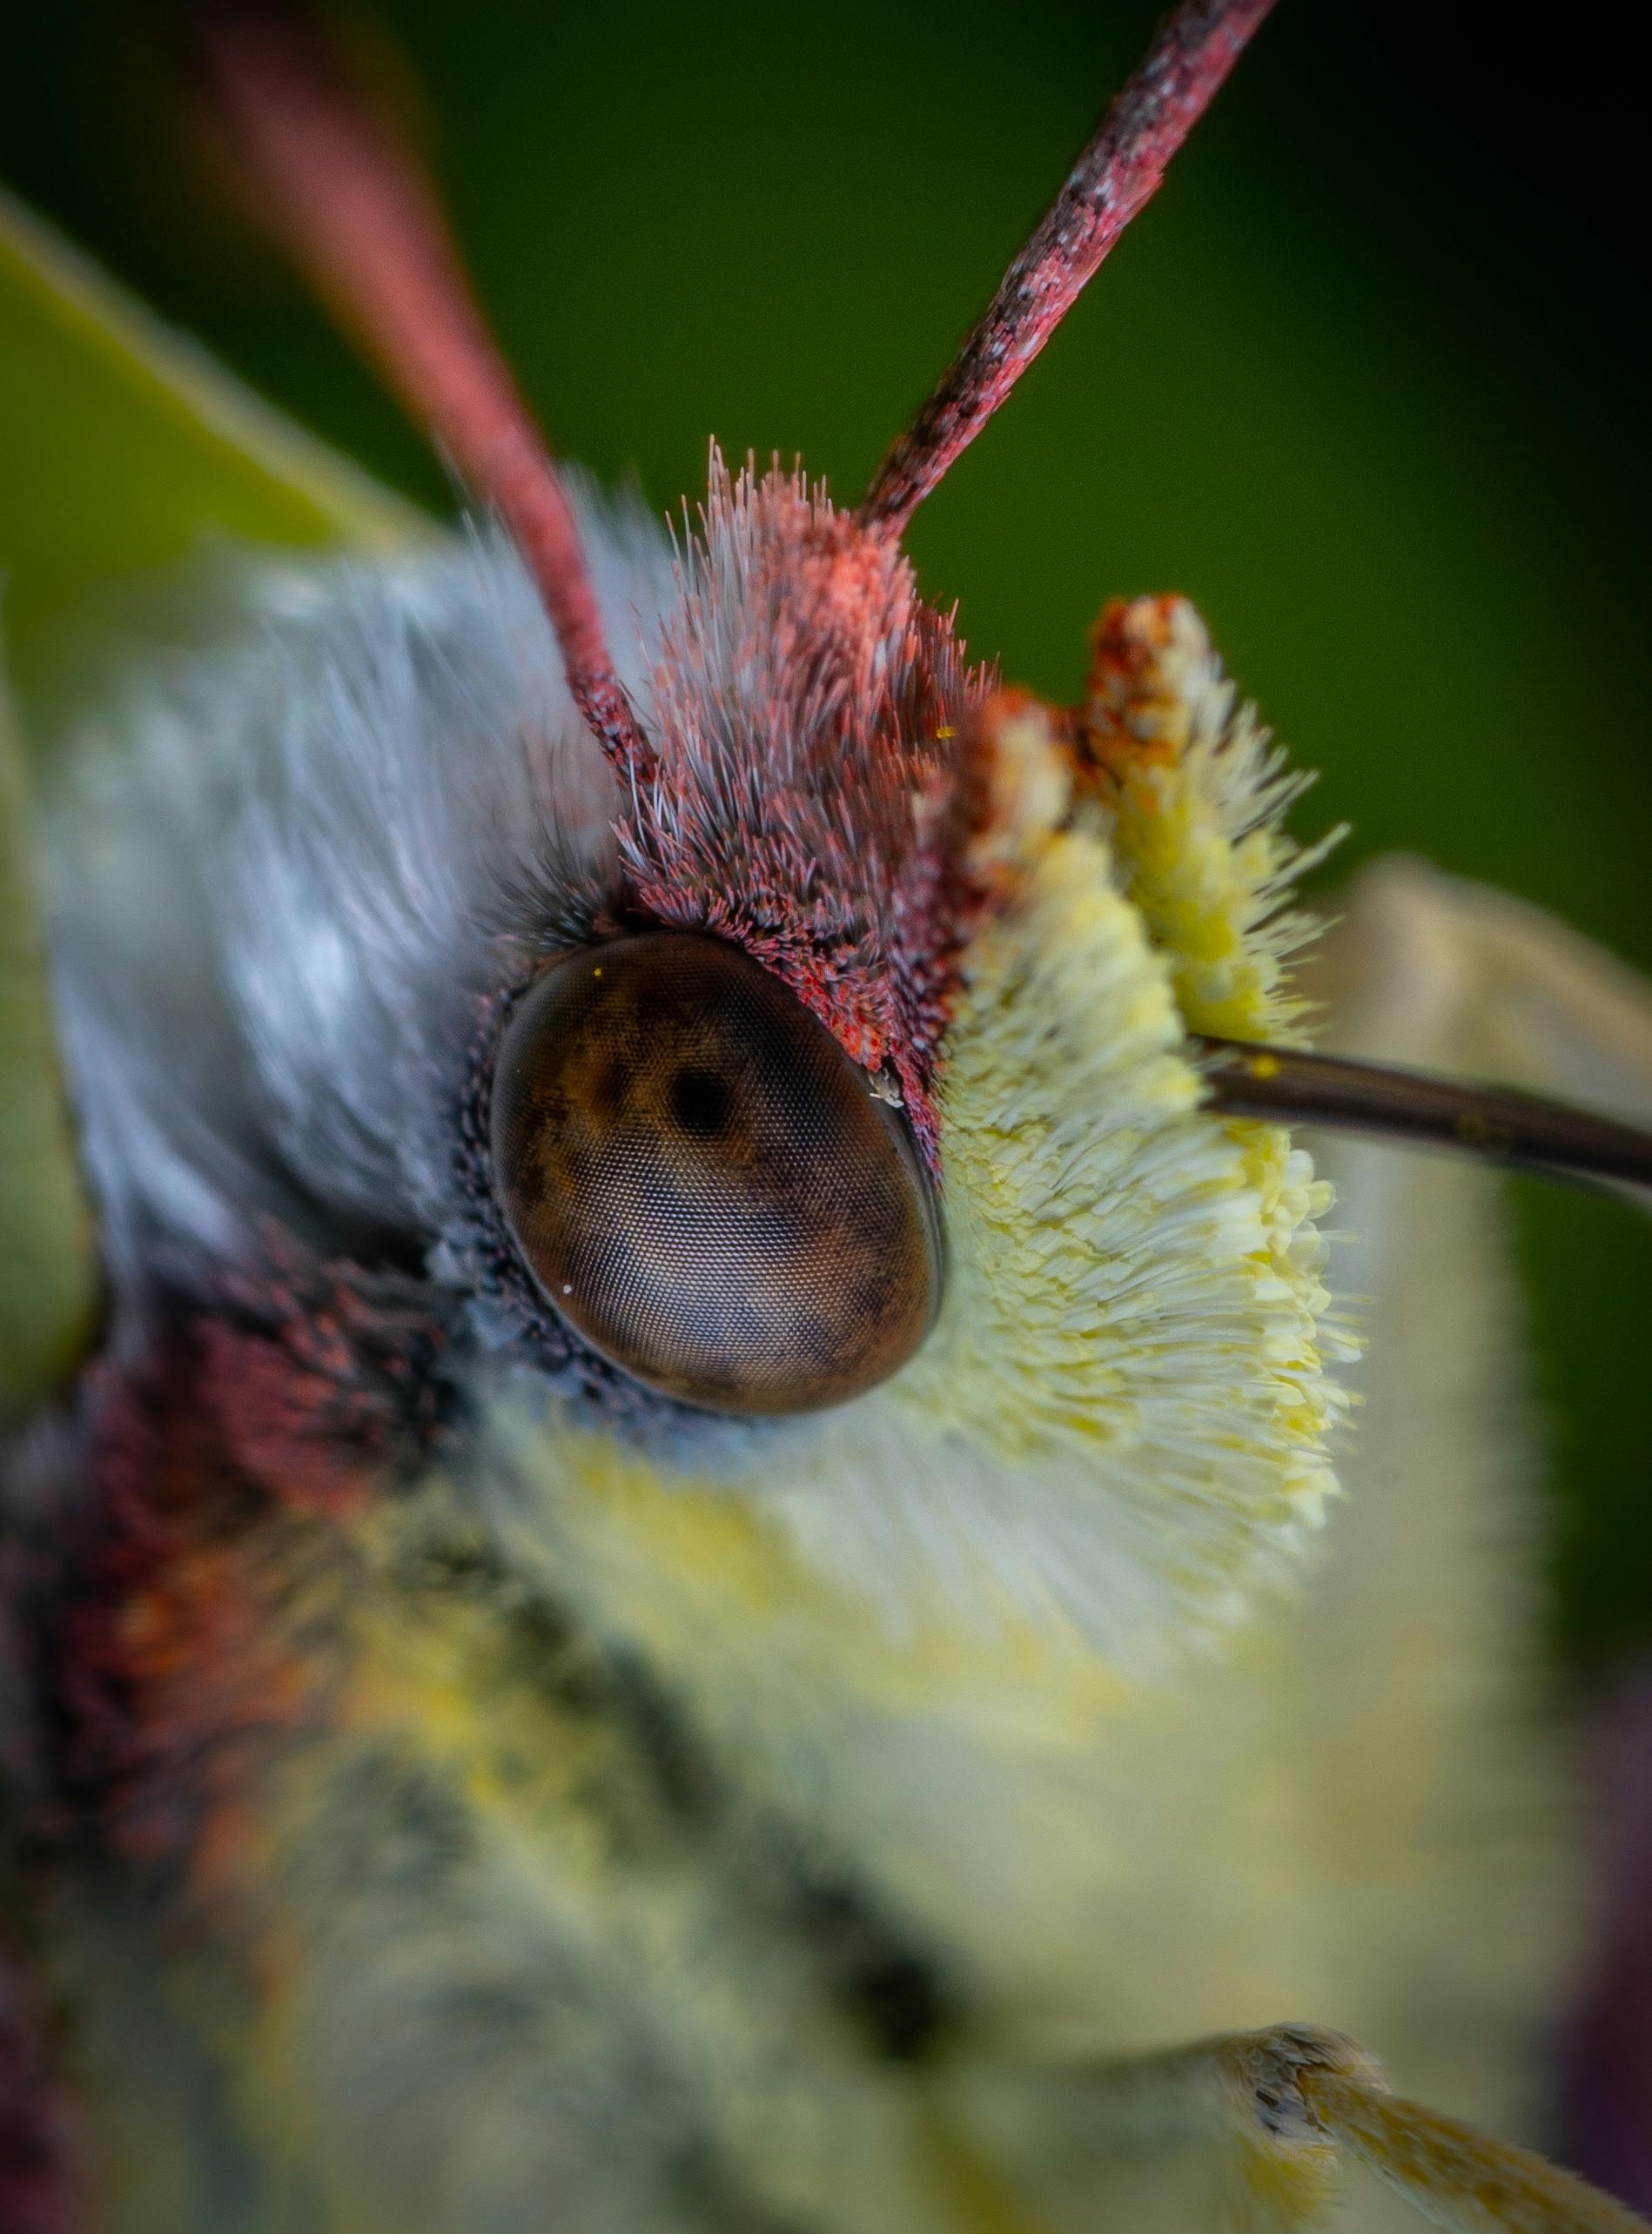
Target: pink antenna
x,y
363,222
1117,176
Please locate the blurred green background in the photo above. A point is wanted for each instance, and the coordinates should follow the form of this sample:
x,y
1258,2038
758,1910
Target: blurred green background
x,y
1365,383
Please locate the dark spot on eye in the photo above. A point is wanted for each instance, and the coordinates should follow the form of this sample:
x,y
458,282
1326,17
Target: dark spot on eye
x,y
702,1185
700,1102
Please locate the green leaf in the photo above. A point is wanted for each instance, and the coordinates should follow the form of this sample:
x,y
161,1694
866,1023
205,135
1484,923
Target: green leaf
x,y
48,1273
120,442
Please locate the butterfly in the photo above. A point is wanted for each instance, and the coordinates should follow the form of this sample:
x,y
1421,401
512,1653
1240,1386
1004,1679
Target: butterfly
x,y
671,1594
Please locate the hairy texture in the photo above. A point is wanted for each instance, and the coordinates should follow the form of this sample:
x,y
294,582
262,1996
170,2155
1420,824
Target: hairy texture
x,y
1197,796
503,1789
295,880
1119,1424
808,712
407,1867
1132,1332
288,925
181,1587
287,874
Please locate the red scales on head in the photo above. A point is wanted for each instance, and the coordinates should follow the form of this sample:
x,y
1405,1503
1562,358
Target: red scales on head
x,y
809,709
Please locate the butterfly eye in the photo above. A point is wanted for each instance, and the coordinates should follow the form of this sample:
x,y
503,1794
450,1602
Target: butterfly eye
x,y
702,1184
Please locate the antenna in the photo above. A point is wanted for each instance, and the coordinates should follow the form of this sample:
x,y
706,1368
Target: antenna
x,y
363,223
1117,174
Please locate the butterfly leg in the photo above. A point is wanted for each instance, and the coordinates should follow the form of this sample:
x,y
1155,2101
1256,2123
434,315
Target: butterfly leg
x,y
1297,2104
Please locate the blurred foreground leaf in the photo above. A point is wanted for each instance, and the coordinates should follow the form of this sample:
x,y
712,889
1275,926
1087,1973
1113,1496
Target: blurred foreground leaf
x,y
121,441
48,1273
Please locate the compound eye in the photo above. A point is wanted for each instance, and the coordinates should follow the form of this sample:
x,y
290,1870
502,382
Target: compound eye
x,y
701,1183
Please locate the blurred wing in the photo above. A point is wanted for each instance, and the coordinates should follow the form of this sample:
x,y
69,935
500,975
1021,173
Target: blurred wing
x,y
121,440
1446,1817
1433,1768
119,443
1434,971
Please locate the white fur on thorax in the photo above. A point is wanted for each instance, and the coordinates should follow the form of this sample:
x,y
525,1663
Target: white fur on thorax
x,y
281,870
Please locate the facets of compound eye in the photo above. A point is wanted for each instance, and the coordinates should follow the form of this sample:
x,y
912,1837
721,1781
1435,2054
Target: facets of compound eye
x,y
701,1183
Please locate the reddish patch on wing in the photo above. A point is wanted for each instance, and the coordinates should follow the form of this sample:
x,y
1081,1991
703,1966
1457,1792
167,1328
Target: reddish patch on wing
x,y
171,1678
191,1637
333,1380
811,716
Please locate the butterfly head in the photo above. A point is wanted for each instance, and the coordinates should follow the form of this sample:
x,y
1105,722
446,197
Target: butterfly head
x,y
852,1074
